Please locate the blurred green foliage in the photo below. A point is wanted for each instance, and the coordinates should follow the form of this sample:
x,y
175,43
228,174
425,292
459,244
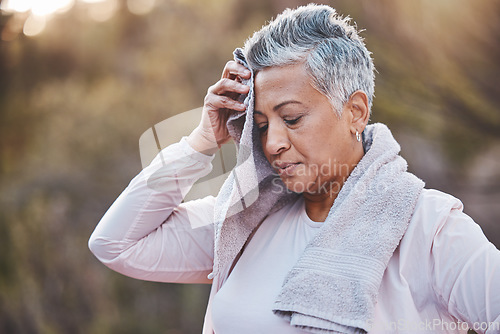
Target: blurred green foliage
x,y
75,100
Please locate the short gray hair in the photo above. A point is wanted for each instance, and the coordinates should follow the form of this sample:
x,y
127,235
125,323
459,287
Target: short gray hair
x,y
335,55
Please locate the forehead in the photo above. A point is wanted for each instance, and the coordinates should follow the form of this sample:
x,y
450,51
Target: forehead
x,y
281,77
276,85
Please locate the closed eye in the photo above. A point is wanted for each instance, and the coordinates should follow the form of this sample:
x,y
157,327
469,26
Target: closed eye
x,y
292,121
262,127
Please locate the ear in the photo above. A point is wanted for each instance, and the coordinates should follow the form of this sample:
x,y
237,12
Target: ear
x,y
358,110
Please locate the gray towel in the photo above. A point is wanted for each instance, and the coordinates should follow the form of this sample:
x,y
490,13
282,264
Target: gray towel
x,y
333,287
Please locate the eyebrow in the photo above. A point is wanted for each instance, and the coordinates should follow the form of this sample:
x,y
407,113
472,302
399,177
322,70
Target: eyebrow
x,y
278,106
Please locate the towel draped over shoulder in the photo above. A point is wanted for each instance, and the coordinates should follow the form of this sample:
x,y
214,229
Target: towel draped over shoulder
x,y
333,287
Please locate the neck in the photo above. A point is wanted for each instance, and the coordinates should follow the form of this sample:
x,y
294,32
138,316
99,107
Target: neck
x,y
318,204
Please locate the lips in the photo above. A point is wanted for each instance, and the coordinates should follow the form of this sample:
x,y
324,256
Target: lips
x,y
285,168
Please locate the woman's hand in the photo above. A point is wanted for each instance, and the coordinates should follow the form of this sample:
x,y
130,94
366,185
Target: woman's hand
x,y
220,102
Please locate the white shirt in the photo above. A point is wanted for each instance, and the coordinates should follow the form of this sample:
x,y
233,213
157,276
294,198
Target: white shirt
x,y
444,272
244,303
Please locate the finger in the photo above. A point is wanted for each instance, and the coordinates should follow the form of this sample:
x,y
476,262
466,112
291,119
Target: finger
x,y
221,102
234,69
225,102
226,85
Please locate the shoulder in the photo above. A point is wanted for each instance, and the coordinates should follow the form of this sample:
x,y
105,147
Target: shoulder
x,y
437,203
458,257
433,211
439,230
442,260
443,216
442,233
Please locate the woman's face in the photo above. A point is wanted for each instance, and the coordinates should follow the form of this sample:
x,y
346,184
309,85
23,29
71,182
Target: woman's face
x,y
309,146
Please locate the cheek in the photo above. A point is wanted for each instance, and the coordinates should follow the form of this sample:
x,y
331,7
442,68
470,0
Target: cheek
x,y
266,153
323,156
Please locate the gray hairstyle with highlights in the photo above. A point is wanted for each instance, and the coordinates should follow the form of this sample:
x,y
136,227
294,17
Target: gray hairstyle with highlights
x,y
334,54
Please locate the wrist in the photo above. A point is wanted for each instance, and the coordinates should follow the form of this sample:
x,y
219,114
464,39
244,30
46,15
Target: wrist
x,y
202,142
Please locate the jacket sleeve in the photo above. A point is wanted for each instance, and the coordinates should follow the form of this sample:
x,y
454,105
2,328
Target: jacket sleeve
x,y
466,271
148,234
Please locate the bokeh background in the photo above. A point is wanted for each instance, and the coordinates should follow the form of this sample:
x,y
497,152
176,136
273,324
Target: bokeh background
x,y
80,81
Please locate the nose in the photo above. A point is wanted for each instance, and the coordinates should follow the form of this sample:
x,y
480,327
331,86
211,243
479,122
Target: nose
x,y
277,140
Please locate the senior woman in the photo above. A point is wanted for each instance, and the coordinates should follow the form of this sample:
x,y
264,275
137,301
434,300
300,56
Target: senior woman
x,y
319,228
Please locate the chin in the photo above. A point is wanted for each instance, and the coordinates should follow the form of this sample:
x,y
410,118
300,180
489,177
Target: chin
x,y
299,186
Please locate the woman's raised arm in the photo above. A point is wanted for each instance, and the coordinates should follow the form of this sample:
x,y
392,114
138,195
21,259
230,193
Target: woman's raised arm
x,y
148,234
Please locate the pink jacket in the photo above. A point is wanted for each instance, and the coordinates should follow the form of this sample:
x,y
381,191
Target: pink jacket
x,y
444,276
